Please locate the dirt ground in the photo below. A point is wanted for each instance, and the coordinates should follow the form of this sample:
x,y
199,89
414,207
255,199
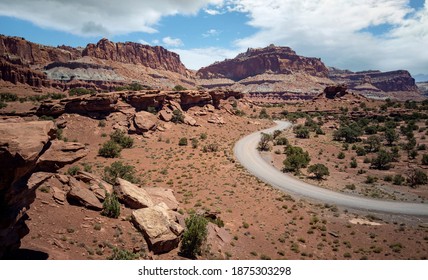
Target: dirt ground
x,y
264,222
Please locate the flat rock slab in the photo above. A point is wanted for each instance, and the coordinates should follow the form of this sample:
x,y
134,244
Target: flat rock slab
x,y
164,195
131,195
83,196
155,226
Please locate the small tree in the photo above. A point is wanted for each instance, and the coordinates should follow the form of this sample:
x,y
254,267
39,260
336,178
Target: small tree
x,y
390,136
194,236
373,143
382,160
301,132
182,141
319,170
264,142
296,159
179,88
276,133
416,177
425,159
120,138
111,206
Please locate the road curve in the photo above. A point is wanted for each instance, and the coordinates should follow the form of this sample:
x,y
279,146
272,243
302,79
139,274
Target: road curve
x,y
246,152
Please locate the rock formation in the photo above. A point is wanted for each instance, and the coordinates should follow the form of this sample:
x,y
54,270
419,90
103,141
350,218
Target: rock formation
x,y
272,59
22,145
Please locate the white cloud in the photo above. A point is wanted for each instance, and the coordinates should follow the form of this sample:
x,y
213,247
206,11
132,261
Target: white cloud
x,y
172,42
200,57
212,12
100,18
211,33
331,29
141,41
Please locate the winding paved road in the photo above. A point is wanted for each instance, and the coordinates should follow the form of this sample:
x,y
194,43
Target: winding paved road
x,y
246,152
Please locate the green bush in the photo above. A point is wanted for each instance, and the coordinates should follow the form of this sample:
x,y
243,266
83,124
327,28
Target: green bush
x,y
425,159
110,149
353,163
195,143
119,137
179,88
194,236
416,177
102,123
296,159
111,206
341,155
398,180
382,160
80,91
348,133
122,254
73,170
264,142
177,116
8,97
281,141
182,141
301,132
319,170
360,151
263,114
119,170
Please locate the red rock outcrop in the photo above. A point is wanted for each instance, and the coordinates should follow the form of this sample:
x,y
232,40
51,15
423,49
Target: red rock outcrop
x,y
21,147
154,57
272,59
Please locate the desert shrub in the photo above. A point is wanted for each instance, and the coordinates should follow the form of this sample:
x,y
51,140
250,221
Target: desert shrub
x,y
119,137
370,179
194,236
195,143
263,114
57,96
382,160
416,177
301,132
179,88
110,149
421,147
319,131
87,167
102,123
80,91
213,147
341,155
276,134
371,130
2,104
398,180
119,170
353,163
111,206
122,254
296,159
177,116
203,136
360,151
319,170
388,178
281,141
8,97
373,144
425,159
73,170
264,142
390,136
46,118
182,141
348,133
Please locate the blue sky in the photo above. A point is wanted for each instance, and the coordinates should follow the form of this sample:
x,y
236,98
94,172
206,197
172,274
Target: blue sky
x,y
355,35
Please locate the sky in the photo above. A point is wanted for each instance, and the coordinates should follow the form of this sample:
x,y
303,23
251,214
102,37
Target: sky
x,y
348,34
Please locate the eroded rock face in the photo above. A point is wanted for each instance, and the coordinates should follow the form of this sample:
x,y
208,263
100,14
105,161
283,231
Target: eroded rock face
x,y
21,147
81,195
279,60
154,57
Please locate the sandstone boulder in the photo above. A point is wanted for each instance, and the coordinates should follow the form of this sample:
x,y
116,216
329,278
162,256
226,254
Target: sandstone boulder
x,y
156,228
216,119
83,196
58,195
189,120
131,195
95,181
165,115
144,121
164,195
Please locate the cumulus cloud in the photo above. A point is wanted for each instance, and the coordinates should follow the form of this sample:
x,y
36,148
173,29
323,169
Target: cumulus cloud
x,y
172,42
95,18
336,31
200,57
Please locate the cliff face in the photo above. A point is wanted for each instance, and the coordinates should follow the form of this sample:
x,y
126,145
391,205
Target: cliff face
x,y
272,59
399,80
129,52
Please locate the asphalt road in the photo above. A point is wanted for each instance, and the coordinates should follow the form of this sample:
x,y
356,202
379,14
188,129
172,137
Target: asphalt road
x,y
246,152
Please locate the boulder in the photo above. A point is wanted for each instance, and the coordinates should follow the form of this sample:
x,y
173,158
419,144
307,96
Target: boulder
x,y
165,115
83,196
144,121
164,195
189,120
131,195
216,119
156,228
94,180
58,195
